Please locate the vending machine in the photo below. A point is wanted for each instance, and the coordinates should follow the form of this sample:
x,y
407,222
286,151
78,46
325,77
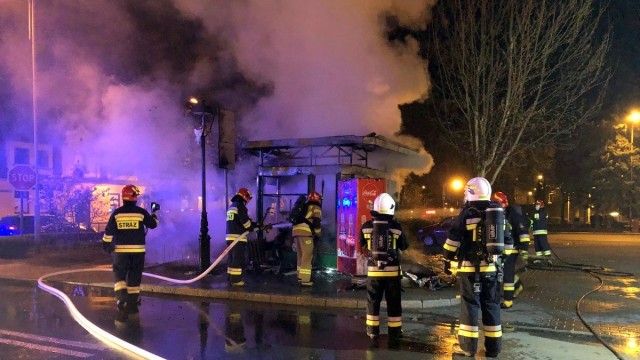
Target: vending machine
x,y
355,201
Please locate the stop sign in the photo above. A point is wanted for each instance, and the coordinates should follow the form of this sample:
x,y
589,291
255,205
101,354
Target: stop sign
x,y
22,177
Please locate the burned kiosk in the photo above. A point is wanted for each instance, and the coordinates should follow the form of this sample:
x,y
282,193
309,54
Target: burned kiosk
x,y
341,169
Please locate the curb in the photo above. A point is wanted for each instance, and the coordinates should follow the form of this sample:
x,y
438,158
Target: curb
x,y
222,294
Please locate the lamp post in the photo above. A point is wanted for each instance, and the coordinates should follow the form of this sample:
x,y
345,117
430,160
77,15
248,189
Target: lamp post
x,y
199,109
455,184
633,118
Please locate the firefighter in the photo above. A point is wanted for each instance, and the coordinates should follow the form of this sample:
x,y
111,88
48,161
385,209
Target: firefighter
x,y
382,238
516,241
539,225
304,232
476,270
125,235
238,222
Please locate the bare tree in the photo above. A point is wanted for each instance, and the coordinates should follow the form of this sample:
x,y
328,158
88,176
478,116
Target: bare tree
x,y
511,75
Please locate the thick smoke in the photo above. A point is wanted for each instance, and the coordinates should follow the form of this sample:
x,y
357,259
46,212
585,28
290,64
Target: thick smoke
x,y
112,78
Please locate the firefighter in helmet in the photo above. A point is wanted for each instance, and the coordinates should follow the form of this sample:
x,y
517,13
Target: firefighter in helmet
x,y
516,241
476,270
539,225
382,238
125,235
238,222
304,232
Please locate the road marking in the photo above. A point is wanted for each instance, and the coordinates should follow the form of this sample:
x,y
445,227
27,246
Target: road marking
x,y
79,344
52,349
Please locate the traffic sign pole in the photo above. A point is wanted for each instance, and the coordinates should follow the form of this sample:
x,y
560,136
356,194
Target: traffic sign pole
x,y
22,178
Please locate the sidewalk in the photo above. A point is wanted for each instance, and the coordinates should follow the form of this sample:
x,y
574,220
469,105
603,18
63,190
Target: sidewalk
x,y
330,289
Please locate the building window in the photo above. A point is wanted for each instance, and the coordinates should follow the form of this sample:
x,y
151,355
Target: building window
x,y
21,156
43,159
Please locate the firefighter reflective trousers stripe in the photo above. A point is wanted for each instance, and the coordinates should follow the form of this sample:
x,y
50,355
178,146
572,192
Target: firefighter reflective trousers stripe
x,y
541,245
235,262
390,288
511,280
127,270
304,249
472,303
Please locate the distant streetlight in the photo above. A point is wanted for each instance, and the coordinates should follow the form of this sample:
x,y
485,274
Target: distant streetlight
x,y
633,118
204,114
540,188
455,184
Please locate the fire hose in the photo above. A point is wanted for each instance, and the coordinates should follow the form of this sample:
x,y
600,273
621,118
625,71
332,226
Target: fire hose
x,y
595,271
103,335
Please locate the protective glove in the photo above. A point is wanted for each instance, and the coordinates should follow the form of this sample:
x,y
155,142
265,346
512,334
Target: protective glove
x,y
447,267
524,254
107,247
155,206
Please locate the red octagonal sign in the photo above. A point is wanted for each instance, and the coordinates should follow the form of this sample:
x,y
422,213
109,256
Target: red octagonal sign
x,y
22,177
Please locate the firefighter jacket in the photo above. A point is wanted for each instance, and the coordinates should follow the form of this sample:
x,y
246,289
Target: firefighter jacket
x,y
311,226
238,220
540,222
127,228
516,236
382,236
464,245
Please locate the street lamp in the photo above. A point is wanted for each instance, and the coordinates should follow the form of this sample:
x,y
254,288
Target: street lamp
x,y
456,184
633,118
540,188
204,114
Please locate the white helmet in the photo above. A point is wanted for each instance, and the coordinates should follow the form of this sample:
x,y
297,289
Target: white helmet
x,y
384,204
478,189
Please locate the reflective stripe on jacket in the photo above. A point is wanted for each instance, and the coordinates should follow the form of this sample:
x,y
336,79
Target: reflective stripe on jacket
x,y
238,221
313,217
126,228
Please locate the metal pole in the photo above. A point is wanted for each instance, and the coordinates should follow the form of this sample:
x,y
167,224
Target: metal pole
x,y
444,203
205,250
631,177
36,192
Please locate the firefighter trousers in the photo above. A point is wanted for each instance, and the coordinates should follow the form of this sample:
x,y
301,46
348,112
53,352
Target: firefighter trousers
x,y
511,280
487,301
391,289
304,249
236,261
541,244
127,270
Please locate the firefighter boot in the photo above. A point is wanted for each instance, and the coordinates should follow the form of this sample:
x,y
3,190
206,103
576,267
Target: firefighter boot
x,y
507,304
518,291
373,332
121,315
395,332
457,350
132,304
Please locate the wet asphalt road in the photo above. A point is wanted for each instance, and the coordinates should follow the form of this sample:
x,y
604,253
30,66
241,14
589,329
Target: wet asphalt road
x,y
542,324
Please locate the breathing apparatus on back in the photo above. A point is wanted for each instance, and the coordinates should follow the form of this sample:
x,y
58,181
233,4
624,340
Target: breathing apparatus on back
x,y
489,226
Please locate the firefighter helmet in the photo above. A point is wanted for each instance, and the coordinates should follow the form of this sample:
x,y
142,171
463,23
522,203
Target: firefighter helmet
x,y
478,189
130,193
501,199
540,203
245,194
314,197
384,204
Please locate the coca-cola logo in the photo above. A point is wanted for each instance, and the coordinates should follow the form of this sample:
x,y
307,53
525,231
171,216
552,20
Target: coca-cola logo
x,y
371,193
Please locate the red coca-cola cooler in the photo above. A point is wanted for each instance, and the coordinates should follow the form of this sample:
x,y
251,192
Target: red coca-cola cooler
x,y
355,201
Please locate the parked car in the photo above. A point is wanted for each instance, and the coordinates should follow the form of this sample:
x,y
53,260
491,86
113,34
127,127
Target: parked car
x,y
10,225
435,235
